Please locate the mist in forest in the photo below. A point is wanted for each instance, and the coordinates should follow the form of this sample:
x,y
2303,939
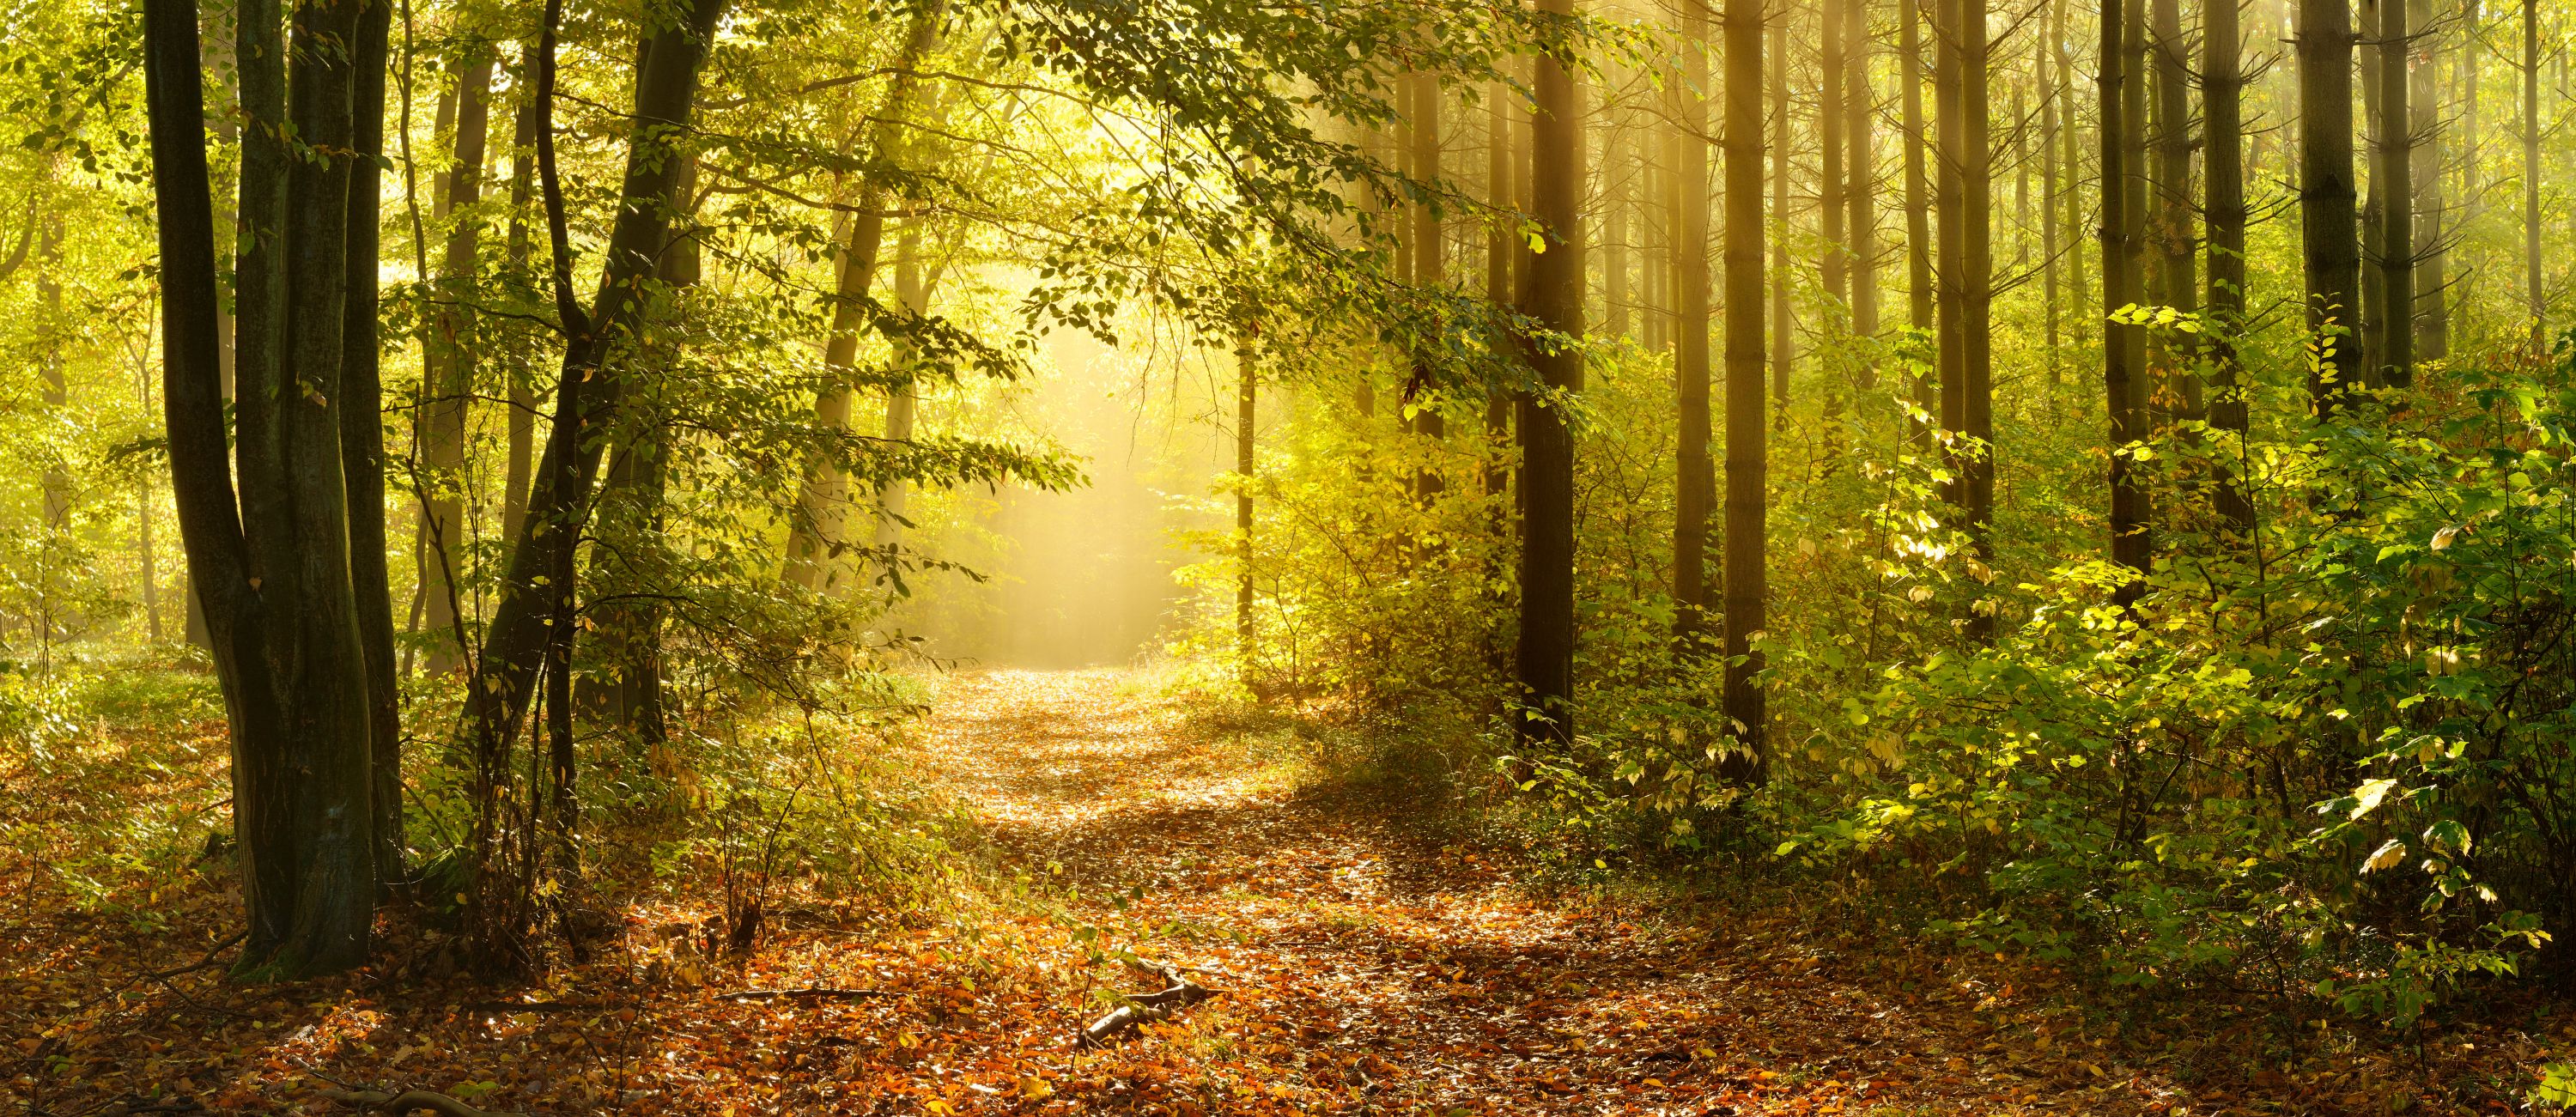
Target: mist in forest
x,y
1082,577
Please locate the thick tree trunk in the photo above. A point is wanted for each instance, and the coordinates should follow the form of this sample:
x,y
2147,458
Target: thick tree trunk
x,y
2222,96
1547,445
2533,291
1695,479
1747,448
2393,184
2122,346
448,350
2329,234
1620,176
521,424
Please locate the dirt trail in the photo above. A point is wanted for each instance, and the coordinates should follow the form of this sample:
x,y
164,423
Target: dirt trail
x,y
1369,966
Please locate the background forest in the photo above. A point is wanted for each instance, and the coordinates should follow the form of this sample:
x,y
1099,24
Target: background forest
x,y
504,493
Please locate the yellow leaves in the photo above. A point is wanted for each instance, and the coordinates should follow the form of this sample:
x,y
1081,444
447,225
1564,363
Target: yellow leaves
x,y
1036,1089
2389,854
2369,795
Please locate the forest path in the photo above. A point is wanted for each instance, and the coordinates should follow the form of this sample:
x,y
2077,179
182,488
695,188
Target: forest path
x,y
1371,962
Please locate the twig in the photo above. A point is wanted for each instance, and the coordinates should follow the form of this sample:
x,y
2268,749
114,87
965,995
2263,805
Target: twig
x,y
816,993
164,976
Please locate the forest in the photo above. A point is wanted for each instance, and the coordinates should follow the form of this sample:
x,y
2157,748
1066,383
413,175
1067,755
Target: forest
x,y
1287,556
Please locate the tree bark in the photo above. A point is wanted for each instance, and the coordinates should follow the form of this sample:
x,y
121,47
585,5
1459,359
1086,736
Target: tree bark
x,y
1695,479
1547,443
2049,115
817,536
2533,291
2329,235
2122,343
2424,125
1921,314
2394,183
1950,199
1784,325
1834,263
2222,91
2071,159
1861,105
598,349
1977,295
1430,267
447,352
1747,448
362,433
1246,402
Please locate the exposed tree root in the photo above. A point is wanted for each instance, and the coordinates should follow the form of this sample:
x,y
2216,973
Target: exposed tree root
x,y
378,1101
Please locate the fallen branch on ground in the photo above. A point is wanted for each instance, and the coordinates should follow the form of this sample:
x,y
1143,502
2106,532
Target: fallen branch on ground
x,y
410,1100
1145,1008
816,993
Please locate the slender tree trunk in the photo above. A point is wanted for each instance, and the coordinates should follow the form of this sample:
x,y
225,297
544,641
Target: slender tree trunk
x,y
2049,116
1547,444
1695,480
2222,85
2394,181
362,437
2071,158
1620,176
448,349
1861,105
2329,240
1245,414
2176,245
1918,212
521,425
2122,345
1834,264
1430,267
2532,289
596,360
1502,250
1747,448
1977,294
2424,124
903,401
1784,324
819,530
1950,197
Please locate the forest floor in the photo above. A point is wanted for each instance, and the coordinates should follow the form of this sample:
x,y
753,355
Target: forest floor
x,y
1370,950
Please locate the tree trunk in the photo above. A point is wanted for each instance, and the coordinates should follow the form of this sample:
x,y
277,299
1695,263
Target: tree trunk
x,y
362,434
1918,213
1430,267
1620,176
1747,449
1834,263
2049,115
2533,289
1695,479
447,353
1502,251
2222,91
903,400
1784,325
594,372
2424,124
1950,198
521,424
2394,183
818,535
1245,414
274,571
1547,444
1861,105
1977,295
2122,345
2330,247
2070,157
2176,245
